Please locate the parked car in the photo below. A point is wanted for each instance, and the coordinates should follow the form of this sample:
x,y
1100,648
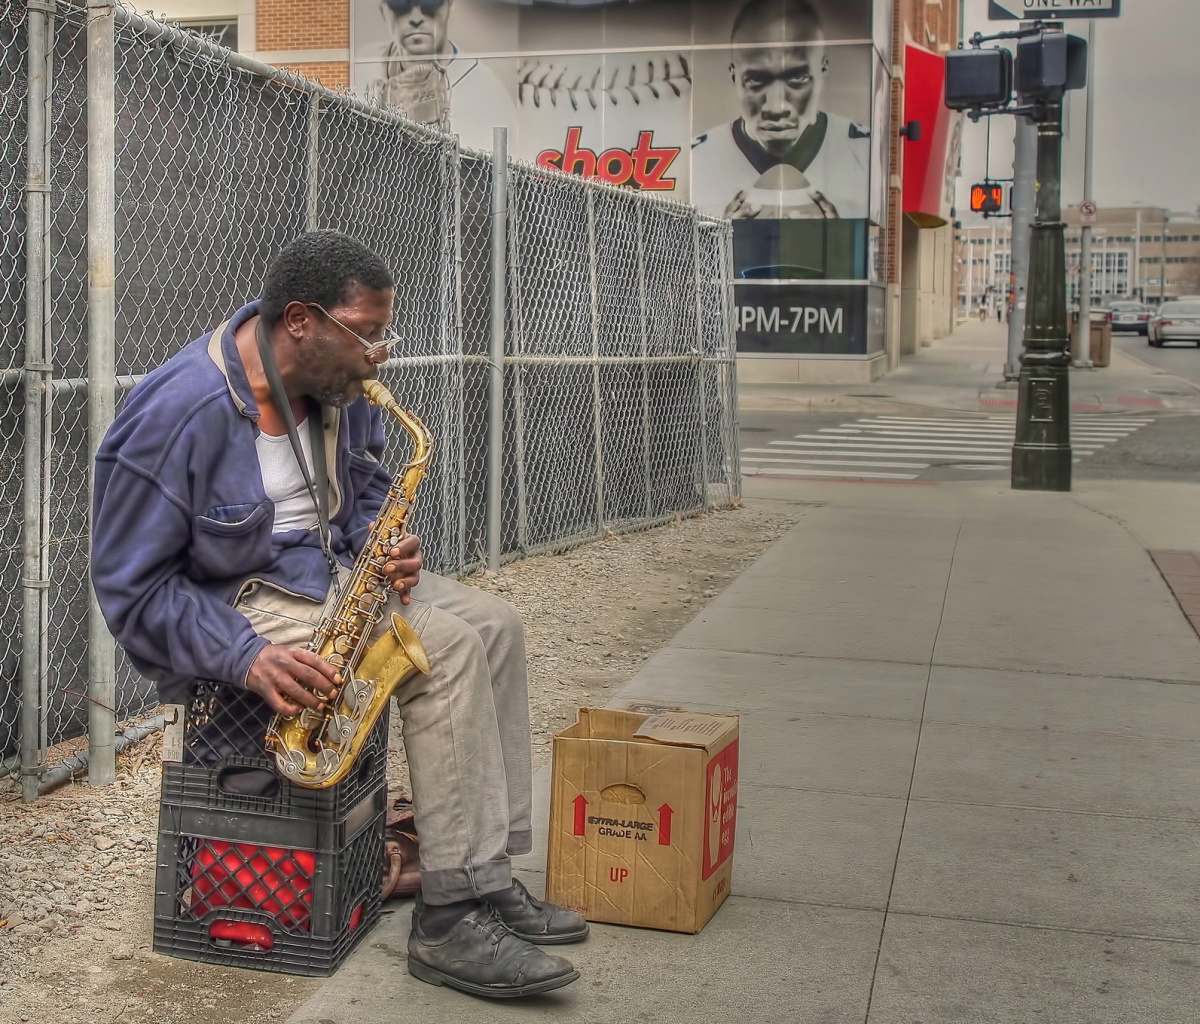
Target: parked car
x,y
1175,321
1129,316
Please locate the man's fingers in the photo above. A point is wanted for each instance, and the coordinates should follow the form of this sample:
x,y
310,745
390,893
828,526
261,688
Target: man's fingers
x,y
327,674
298,693
314,682
282,706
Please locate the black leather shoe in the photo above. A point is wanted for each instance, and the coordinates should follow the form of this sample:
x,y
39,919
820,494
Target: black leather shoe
x,y
481,956
535,921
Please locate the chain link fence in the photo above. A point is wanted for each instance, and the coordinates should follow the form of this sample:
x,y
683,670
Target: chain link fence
x,y
571,349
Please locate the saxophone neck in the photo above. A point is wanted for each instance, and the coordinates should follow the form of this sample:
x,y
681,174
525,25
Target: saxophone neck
x,y
422,440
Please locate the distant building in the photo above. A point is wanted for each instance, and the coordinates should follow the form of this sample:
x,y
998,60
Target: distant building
x,y
1130,252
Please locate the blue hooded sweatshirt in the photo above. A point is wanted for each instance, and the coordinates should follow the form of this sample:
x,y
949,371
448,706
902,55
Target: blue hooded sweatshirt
x,y
181,522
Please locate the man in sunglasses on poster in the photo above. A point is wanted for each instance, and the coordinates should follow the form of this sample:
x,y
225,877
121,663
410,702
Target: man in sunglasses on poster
x,y
784,157
426,78
234,491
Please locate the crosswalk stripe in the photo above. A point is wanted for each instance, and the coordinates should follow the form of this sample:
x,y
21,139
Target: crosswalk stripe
x,y
990,428
918,451
834,462
794,471
1113,421
1075,417
912,451
877,454
1097,428
966,435
900,442
980,432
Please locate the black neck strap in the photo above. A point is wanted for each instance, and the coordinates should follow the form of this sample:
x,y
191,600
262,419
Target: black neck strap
x,y
320,494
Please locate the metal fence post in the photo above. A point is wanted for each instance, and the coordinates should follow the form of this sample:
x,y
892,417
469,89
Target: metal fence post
x,y
516,282
732,421
499,282
314,163
644,330
101,226
460,366
34,582
701,382
594,314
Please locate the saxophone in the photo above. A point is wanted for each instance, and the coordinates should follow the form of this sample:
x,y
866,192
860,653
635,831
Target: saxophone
x,y
317,749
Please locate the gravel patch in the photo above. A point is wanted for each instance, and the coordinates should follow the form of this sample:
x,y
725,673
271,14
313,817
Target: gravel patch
x,y
77,867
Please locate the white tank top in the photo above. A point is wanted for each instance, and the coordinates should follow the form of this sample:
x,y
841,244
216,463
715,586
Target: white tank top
x,y
284,482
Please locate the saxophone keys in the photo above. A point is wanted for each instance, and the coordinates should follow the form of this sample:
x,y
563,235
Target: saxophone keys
x,y
292,763
327,763
363,688
309,719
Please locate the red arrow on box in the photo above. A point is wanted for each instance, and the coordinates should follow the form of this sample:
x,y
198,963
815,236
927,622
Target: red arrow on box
x,y
664,825
580,803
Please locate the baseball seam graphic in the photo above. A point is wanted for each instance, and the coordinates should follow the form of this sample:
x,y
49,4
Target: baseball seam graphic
x,y
543,83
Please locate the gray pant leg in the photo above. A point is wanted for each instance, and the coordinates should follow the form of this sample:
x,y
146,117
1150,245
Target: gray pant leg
x,y
500,628
456,764
463,723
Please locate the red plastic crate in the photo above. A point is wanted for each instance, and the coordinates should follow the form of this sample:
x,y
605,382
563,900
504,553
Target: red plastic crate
x,y
263,891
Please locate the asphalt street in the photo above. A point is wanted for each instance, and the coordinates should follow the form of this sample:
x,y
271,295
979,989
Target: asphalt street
x,y
1180,358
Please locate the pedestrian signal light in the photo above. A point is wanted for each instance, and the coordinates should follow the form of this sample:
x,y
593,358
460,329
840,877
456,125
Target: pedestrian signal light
x,y
987,198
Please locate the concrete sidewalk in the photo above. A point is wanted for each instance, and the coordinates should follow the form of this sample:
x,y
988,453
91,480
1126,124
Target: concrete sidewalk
x,y
961,372
970,779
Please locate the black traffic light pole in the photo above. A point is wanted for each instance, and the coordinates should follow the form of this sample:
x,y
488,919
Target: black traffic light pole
x,y
1042,452
1047,65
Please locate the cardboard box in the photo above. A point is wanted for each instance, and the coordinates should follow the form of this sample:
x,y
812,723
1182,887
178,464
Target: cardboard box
x,y
643,810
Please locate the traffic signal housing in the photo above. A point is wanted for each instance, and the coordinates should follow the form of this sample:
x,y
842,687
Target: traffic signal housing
x,y
978,79
1049,64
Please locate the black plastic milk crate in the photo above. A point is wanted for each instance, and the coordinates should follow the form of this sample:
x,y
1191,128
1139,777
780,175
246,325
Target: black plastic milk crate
x,y
225,763
265,892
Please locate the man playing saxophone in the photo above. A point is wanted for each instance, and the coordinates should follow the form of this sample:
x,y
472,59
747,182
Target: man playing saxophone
x,y
215,552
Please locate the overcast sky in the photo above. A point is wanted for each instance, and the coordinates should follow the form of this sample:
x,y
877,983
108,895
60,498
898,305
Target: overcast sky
x,y
1147,146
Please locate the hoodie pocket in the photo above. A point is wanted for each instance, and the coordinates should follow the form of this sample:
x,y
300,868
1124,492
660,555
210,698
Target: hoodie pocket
x,y
232,539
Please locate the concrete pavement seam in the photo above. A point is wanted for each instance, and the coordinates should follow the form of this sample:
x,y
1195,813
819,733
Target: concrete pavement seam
x,y
995,922
954,664
913,774
1055,810
1035,926
859,794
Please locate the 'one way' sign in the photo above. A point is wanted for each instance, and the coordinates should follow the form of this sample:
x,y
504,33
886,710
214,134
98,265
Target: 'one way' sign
x,y
1050,10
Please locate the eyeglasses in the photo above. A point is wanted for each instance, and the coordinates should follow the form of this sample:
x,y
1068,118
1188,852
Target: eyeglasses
x,y
389,340
428,7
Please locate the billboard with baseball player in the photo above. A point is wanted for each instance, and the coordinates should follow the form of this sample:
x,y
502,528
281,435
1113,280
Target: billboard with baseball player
x,y
770,112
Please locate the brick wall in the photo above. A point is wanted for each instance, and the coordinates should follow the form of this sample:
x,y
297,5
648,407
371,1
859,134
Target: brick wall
x,y
303,25
901,15
331,74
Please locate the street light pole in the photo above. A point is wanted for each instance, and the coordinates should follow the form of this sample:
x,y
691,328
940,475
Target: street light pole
x,y
1083,359
1042,452
1162,277
1024,163
1139,291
